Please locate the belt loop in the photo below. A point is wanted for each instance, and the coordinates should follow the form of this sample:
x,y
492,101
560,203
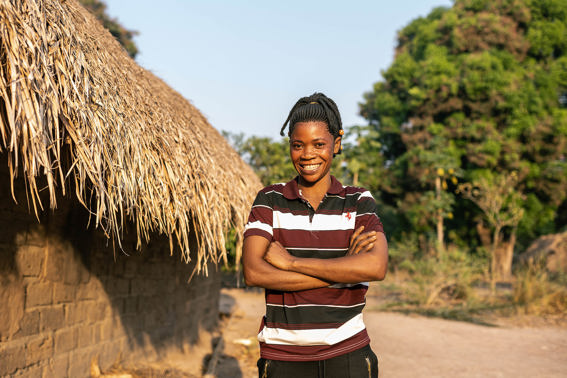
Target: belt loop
x,y
349,355
321,369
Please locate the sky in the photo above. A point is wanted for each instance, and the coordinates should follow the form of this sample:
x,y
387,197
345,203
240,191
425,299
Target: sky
x,y
244,64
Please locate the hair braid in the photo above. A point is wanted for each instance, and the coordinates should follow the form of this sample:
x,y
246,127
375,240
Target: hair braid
x,y
316,107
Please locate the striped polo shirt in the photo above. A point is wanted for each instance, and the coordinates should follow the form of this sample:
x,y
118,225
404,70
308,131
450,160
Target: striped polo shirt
x,y
315,324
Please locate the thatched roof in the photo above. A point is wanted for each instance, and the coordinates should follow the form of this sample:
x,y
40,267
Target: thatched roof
x,y
77,112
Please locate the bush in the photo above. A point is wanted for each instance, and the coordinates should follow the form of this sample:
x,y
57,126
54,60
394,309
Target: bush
x,y
538,292
447,277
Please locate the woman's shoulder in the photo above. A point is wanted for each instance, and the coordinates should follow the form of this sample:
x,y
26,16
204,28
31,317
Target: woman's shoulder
x,y
355,190
276,188
347,190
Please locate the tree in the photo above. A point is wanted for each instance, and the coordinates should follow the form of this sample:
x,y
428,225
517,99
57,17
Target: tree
x,y
123,35
500,203
269,159
479,88
362,158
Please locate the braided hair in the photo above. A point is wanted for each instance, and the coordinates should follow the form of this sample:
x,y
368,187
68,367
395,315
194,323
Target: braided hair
x,y
316,107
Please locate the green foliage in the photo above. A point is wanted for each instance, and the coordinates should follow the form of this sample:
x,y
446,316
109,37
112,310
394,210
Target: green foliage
x,y
269,159
123,35
362,158
477,88
444,278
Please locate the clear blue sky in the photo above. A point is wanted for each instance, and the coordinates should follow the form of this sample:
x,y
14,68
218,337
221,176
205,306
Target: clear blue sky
x,y
243,64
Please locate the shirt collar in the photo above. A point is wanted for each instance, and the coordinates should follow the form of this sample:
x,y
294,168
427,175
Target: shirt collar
x,y
291,188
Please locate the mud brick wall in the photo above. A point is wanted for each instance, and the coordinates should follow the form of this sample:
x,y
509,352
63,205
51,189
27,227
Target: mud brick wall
x,y
68,298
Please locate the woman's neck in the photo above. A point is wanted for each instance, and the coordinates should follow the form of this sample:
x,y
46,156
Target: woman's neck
x,y
314,192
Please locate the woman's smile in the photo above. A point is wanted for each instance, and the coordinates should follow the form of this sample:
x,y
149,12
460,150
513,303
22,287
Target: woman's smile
x,y
310,167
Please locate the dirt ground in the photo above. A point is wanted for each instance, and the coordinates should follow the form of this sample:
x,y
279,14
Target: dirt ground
x,y
406,345
413,346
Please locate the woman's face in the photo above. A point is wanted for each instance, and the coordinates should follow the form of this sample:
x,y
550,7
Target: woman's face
x,y
311,147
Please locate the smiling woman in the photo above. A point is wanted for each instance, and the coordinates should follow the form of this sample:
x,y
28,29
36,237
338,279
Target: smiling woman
x,y
314,244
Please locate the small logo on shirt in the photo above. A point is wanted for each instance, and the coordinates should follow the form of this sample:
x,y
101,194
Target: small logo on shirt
x,y
348,216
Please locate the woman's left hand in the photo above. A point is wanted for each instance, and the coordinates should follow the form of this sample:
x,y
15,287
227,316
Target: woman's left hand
x,y
278,256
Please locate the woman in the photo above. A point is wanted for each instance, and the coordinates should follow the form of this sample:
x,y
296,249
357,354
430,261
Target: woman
x,y
314,244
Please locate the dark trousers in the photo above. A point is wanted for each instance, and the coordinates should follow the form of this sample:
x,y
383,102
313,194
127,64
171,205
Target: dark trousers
x,y
358,364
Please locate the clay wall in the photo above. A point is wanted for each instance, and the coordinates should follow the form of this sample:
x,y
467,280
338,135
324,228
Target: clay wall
x,y
68,297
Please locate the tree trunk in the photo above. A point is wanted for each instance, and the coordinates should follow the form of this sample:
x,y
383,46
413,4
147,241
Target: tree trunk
x,y
493,262
440,232
484,235
504,256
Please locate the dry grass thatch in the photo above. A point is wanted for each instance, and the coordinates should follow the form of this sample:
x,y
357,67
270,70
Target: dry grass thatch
x,y
77,112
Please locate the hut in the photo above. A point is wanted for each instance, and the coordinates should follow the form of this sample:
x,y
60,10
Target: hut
x,y
116,194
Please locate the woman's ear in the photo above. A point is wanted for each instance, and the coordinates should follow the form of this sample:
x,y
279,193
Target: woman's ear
x,y
337,146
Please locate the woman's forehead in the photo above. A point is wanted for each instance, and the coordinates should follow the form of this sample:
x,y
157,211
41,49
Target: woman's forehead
x,y
311,127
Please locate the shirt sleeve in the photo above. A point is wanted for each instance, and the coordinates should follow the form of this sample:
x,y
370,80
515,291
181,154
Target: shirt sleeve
x,y
260,220
366,213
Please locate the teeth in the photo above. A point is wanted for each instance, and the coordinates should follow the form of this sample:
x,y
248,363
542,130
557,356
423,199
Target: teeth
x,y
310,167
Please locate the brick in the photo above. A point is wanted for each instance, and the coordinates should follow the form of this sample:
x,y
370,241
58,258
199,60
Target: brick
x,y
130,305
105,330
110,354
84,275
73,268
12,359
29,371
63,293
51,318
57,367
118,328
29,325
30,259
81,312
80,363
131,268
117,305
33,237
65,340
85,337
137,288
122,286
152,287
55,263
171,286
38,294
38,349
71,313
132,321
89,290
96,333
99,311
118,268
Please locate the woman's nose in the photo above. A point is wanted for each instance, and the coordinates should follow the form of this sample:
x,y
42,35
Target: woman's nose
x,y
307,152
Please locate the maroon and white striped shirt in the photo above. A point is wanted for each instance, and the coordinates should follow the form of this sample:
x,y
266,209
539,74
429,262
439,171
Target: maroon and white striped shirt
x,y
316,324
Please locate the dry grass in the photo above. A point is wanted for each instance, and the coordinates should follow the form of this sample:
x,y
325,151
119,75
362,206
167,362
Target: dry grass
x,y
77,111
536,292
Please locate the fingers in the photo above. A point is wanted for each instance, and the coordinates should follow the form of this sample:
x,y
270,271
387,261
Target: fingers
x,y
355,234
362,243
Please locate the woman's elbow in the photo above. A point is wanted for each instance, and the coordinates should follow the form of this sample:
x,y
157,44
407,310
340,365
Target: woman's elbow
x,y
381,269
380,274
250,277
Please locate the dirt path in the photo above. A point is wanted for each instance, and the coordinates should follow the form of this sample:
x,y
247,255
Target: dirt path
x,y
423,347
413,346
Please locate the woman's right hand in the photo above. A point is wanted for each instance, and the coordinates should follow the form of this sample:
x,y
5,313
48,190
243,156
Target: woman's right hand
x,y
361,242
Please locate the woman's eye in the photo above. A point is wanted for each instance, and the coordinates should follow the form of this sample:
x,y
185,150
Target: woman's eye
x,y
320,145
